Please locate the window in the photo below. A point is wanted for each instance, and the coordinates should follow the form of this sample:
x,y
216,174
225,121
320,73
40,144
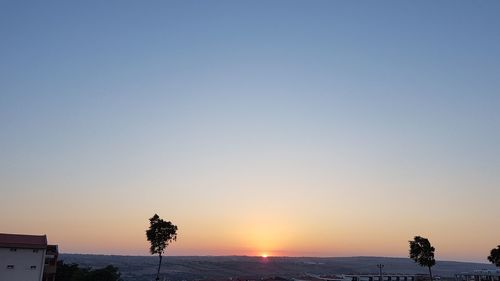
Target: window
x,y
33,267
10,266
13,249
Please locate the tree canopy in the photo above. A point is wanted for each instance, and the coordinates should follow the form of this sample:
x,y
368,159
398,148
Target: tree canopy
x,y
494,256
160,234
422,252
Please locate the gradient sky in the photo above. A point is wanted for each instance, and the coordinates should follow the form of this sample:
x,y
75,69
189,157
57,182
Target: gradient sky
x,y
304,128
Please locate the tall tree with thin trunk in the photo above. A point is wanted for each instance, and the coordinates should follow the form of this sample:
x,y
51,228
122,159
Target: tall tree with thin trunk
x,y
422,252
160,234
494,256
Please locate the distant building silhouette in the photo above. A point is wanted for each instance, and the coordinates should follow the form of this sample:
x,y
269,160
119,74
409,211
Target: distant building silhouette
x,y
357,277
479,275
27,258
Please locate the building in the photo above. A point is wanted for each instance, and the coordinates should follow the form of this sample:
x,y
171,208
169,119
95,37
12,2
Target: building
x,y
49,269
479,275
23,258
357,277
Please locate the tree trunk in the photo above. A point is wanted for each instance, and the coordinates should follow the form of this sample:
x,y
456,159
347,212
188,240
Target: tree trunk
x,y
159,265
430,273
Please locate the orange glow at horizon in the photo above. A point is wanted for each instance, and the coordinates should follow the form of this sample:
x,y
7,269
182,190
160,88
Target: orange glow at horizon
x,y
260,233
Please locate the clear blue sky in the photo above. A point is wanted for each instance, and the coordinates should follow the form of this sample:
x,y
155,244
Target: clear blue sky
x,y
340,115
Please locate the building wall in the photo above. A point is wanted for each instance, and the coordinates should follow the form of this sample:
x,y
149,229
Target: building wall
x,y
22,260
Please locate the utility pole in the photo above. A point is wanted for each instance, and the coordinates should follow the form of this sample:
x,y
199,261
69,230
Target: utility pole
x,y
380,266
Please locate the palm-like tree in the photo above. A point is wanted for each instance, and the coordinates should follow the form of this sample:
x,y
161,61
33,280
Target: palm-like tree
x,y
494,256
422,252
160,234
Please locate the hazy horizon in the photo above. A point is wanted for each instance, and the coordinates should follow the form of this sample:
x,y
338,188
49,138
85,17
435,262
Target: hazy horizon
x,y
295,128
271,257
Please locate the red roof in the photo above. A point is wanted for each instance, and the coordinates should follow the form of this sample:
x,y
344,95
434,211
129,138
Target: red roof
x,y
23,241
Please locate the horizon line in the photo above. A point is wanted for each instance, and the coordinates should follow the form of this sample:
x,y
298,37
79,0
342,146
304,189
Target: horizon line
x,y
270,256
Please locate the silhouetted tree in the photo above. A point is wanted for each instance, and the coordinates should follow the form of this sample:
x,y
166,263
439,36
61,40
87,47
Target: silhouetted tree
x,y
160,234
422,252
494,256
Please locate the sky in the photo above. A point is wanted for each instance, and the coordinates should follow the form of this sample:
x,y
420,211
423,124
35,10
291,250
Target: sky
x,y
297,128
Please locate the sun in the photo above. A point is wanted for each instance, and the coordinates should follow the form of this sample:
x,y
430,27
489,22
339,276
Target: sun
x,y
264,255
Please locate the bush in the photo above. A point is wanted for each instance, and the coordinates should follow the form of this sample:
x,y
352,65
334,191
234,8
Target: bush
x,y
72,272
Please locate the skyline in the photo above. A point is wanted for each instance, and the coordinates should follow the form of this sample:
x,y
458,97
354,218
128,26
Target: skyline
x,y
289,128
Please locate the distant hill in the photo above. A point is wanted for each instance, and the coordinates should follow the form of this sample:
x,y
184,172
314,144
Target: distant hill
x,y
142,268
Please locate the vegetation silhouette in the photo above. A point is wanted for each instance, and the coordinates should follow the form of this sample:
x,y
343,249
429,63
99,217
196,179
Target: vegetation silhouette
x,y
422,252
72,272
494,256
160,234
